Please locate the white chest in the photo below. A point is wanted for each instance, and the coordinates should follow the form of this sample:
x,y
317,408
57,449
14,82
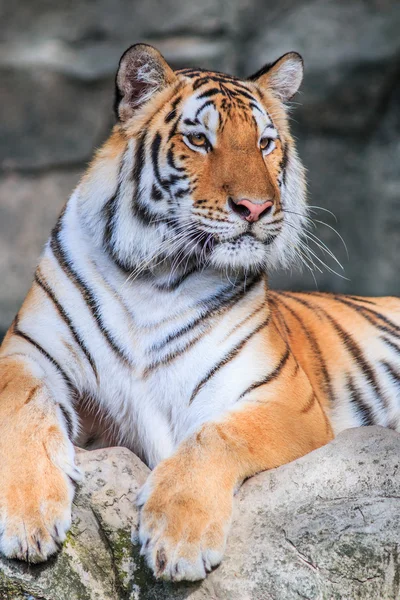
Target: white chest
x,y
192,360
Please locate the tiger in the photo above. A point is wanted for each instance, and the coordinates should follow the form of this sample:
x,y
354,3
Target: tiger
x,y
150,323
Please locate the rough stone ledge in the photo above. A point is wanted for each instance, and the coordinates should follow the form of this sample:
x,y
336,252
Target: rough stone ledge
x,y
326,526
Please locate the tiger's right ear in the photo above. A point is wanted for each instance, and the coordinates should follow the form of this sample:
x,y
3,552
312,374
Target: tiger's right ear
x,y
142,72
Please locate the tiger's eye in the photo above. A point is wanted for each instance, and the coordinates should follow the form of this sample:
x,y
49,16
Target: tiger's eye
x,y
264,143
197,139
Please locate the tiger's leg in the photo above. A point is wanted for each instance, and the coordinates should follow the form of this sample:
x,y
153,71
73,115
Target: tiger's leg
x,y
37,471
187,500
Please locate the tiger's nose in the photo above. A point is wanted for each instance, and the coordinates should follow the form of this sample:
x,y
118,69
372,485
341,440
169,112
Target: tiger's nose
x,y
248,210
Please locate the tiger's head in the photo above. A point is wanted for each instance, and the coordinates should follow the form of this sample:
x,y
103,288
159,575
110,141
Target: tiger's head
x,y
208,172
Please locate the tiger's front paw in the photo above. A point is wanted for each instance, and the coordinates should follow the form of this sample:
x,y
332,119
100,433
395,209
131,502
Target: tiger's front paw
x,y
184,521
36,493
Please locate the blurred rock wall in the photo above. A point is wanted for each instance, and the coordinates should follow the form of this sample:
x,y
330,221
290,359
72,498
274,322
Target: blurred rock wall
x,y
57,63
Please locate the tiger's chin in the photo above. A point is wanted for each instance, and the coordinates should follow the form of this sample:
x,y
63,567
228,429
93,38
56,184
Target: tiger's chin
x,y
244,253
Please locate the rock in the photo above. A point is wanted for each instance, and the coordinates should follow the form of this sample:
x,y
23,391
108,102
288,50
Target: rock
x,y
323,527
96,562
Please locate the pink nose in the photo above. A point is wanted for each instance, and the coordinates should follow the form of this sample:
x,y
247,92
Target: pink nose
x,y
254,211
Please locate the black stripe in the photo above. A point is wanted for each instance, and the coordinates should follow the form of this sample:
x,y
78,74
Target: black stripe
x,y
68,421
208,93
284,162
362,409
326,384
218,78
88,296
182,192
173,355
156,194
140,157
368,314
49,292
222,300
18,332
171,160
395,375
201,108
361,299
174,128
270,377
391,344
245,94
247,318
109,211
174,105
309,404
171,115
228,357
155,151
171,286
350,344
191,122
254,105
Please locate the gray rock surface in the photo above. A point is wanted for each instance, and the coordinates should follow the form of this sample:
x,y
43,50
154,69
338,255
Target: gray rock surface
x,y
325,527
57,64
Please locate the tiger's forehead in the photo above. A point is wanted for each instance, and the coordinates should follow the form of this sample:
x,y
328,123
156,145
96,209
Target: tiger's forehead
x,y
228,97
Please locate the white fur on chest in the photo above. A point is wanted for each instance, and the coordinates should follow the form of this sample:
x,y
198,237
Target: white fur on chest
x,y
153,402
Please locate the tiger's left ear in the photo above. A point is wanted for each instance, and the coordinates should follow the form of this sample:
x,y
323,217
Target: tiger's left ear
x,y
142,72
283,77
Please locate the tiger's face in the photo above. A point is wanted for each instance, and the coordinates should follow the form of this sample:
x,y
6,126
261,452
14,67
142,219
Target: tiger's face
x,y
212,168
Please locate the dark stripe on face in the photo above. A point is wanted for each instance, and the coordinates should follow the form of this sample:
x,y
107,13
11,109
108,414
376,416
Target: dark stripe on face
x,y
270,377
326,383
228,357
204,106
172,114
284,162
174,128
218,78
155,151
140,157
208,93
156,194
171,160
191,122
181,193
65,317
64,261
18,332
254,105
351,346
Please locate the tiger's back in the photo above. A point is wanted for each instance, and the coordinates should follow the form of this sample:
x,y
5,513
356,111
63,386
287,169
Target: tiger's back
x,y
349,346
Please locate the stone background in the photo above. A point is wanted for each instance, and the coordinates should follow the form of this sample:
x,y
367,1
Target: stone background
x,y
57,63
